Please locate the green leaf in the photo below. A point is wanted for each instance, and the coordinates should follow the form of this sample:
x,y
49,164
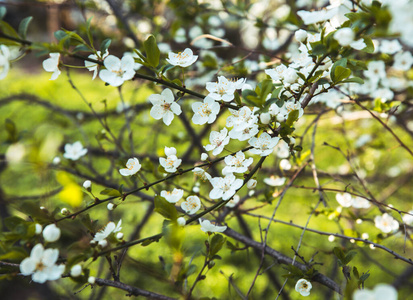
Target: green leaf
x,y
60,35
24,24
11,131
105,45
12,222
316,76
338,252
369,45
349,257
341,73
152,51
75,36
165,208
88,32
266,88
364,276
318,48
111,192
217,242
342,62
3,11
80,47
292,117
353,79
8,30
356,273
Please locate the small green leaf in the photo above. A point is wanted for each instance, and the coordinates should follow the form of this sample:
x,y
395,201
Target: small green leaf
x,y
292,117
364,276
111,192
7,29
152,51
353,79
24,25
342,62
341,73
369,45
356,273
105,45
216,244
60,35
165,208
318,48
338,252
349,257
3,11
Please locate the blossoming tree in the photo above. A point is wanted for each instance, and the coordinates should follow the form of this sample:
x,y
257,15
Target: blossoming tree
x,y
242,149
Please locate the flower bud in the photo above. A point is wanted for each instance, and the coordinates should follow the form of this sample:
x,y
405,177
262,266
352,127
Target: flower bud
x,y
103,243
51,233
300,35
265,118
204,156
87,184
91,280
181,221
119,235
111,206
56,160
252,183
76,271
38,229
64,211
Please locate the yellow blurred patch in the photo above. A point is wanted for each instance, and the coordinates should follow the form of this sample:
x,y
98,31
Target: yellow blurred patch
x,y
72,193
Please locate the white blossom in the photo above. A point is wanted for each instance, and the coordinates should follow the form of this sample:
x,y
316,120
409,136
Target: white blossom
x,y
408,219
182,59
206,111
207,226
110,206
233,201
300,35
223,89
285,164
345,199
191,205
359,202
171,162
264,144
237,163
174,196
277,73
403,61
201,173
303,287
218,140
4,61
274,181
344,36
91,280
317,16
117,70
51,233
181,221
42,264
380,292
38,228
87,184
225,187
204,156
52,65
386,223
164,106
119,235
390,47
252,183
92,66
132,167
107,230
74,151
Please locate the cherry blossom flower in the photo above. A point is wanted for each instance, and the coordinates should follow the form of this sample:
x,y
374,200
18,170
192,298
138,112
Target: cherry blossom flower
x,y
241,119
317,16
234,201
4,61
107,230
408,219
386,223
182,59
208,227
224,89
52,65
252,183
390,47
264,144
344,36
380,292
117,70
174,196
218,140
237,163
92,66
42,264
303,287
345,199
171,162
290,106
277,73
225,187
275,181
205,112
74,151
402,61
201,173
376,71
300,35
164,106
359,202
191,205
132,167
51,233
